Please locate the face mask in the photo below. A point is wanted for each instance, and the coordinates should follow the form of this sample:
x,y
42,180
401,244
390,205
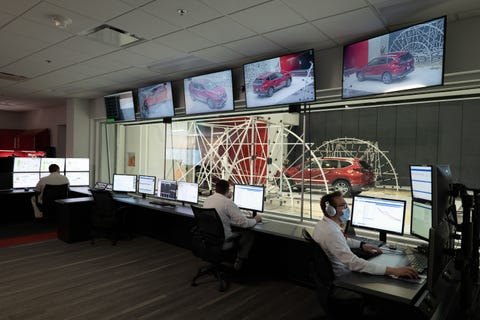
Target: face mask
x,y
346,215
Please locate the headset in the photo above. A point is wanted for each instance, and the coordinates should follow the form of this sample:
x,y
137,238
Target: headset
x,y
330,210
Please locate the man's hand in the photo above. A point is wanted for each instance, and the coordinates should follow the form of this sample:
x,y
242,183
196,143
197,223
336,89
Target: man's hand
x,y
408,272
258,218
371,248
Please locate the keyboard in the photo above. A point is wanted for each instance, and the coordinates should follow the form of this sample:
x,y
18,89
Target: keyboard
x,y
418,261
163,204
373,242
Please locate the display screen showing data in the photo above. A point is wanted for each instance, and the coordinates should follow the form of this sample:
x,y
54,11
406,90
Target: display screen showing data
x,y
78,179
421,179
77,164
187,192
22,164
46,162
421,219
167,189
25,179
124,183
379,214
146,185
249,197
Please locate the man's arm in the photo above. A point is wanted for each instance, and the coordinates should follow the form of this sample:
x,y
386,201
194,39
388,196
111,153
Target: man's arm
x,y
238,218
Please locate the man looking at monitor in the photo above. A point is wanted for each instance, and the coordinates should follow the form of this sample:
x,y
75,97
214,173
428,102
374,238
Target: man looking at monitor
x,y
230,214
54,178
328,233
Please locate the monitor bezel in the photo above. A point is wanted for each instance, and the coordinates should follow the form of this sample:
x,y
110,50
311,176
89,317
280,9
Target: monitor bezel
x,y
131,91
281,104
444,17
33,185
250,185
169,87
432,168
78,185
154,184
23,158
124,174
158,189
185,182
412,232
84,158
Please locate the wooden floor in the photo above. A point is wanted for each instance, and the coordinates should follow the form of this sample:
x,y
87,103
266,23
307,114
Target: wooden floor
x,y
138,279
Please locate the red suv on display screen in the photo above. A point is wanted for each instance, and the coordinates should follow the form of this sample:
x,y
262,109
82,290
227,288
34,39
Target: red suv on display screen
x,y
395,65
155,96
267,83
348,175
208,92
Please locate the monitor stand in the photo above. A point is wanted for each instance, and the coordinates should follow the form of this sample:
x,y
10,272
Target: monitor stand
x,y
382,236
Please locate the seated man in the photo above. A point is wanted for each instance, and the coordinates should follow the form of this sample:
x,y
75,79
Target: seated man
x,y
54,178
329,235
230,214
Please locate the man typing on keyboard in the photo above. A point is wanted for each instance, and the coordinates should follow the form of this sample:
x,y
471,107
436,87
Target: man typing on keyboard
x,y
328,233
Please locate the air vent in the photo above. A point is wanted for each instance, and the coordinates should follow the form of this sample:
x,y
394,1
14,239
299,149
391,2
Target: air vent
x,y
11,77
112,36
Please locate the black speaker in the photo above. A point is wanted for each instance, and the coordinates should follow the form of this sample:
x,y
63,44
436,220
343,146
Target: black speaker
x,y
167,120
292,108
50,152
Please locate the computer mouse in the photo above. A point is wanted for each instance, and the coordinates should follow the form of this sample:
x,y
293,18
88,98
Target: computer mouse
x,y
373,251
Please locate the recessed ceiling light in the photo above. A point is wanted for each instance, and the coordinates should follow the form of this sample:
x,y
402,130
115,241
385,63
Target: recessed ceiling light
x,y
60,21
181,11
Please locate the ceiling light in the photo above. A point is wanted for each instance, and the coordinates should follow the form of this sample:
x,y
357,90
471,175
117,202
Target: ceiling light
x,y
60,21
181,11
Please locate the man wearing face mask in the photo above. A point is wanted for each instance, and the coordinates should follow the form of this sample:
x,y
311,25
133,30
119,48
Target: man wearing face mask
x,y
328,233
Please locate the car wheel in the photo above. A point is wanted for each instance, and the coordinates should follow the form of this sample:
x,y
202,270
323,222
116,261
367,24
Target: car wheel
x,y
270,92
210,103
343,186
360,76
289,82
387,77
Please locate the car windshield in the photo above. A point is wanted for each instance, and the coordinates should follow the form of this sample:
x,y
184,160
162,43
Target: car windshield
x,y
405,57
210,85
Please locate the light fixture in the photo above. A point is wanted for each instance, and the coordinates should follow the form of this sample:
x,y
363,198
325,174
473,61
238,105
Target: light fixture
x,y
60,21
181,11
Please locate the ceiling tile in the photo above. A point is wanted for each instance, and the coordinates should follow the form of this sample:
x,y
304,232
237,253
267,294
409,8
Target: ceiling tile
x,y
185,41
130,58
299,37
136,3
196,12
262,20
314,9
18,6
340,26
33,30
222,30
15,46
5,18
149,28
86,47
218,54
101,10
130,75
179,64
102,65
255,46
154,50
229,6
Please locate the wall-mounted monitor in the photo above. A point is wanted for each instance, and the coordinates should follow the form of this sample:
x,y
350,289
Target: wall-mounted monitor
x,y
77,164
22,164
187,192
289,79
249,197
167,189
379,214
146,184
156,101
408,58
46,162
209,93
124,183
120,106
78,179
25,179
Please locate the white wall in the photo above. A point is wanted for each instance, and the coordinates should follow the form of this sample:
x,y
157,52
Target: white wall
x,y
11,120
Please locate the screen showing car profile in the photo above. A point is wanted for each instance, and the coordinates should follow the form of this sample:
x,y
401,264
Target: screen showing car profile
x,y
249,197
25,179
187,192
77,164
156,101
78,179
288,79
408,58
23,164
46,162
124,183
421,182
146,184
211,92
120,106
167,189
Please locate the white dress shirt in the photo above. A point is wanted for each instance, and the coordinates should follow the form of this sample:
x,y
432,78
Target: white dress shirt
x,y
330,237
229,213
53,178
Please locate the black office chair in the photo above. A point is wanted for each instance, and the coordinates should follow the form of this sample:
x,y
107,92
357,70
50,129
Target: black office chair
x,y
108,218
338,303
210,245
49,195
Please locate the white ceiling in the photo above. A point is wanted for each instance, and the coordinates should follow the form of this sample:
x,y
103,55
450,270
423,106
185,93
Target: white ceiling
x,y
212,34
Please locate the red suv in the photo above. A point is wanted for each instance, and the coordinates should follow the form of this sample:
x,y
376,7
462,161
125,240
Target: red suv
x,y
395,65
348,175
156,95
269,82
209,92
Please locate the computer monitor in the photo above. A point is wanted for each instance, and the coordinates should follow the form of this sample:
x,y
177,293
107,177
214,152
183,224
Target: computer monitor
x,y
249,197
421,219
167,189
379,214
46,162
25,164
156,101
421,182
120,106
187,192
77,164
124,183
146,185
78,179
25,179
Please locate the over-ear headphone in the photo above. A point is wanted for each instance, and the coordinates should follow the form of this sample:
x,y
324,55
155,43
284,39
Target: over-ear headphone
x,y
330,210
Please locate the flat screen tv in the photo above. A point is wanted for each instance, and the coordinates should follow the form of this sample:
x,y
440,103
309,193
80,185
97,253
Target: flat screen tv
x,y
25,164
77,164
46,162
78,179
124,183
25,179
120,106
289,79
209,93
187,192
408,58
156,101
146,184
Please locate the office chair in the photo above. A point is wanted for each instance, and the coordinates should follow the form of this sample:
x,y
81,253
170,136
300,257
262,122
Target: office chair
x,y
108,218
50,194
210,245
338,303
